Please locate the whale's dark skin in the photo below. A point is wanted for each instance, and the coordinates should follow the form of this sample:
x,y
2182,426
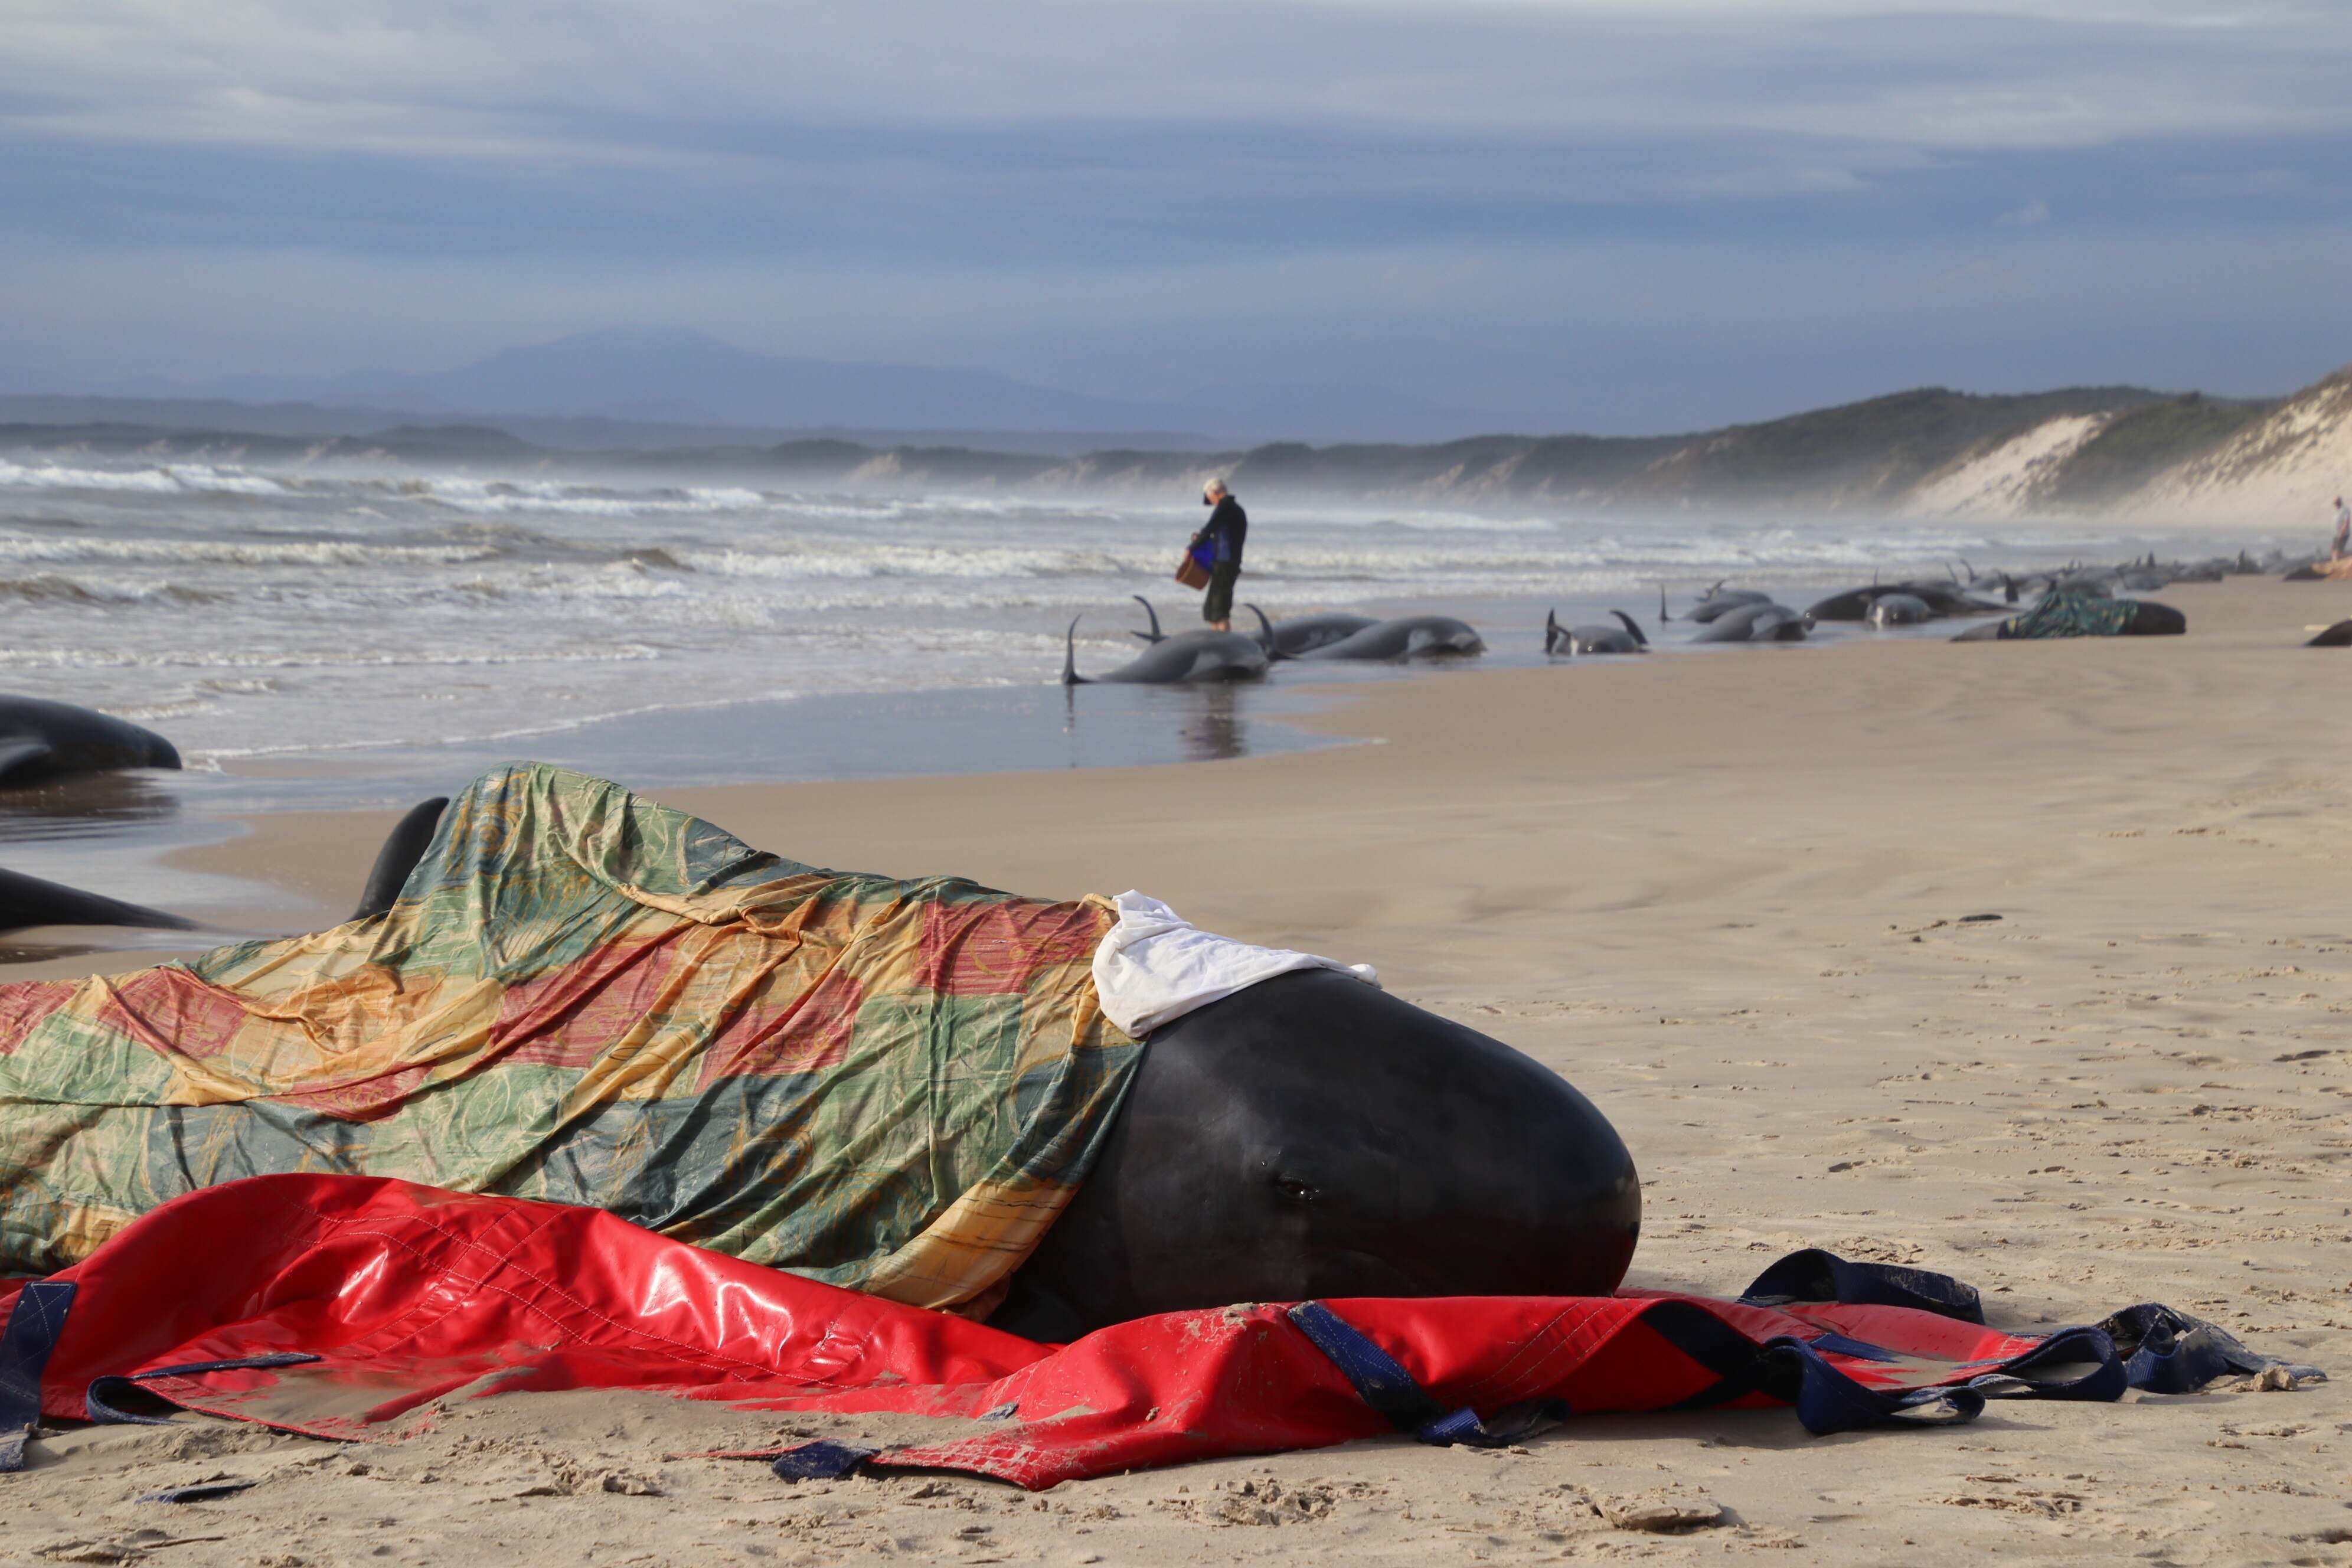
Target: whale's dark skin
x,y
1625,636
1187,659
1898,610
1302,634
1939,599
41,739
1763,622
404,846
30,901
1311,1136
1719,601
1407,636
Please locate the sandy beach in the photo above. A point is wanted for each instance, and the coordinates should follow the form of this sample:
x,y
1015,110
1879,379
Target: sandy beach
x,y
1727,896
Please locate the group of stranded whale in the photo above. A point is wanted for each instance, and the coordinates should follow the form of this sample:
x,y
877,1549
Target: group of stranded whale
x,y
42,741
2073,601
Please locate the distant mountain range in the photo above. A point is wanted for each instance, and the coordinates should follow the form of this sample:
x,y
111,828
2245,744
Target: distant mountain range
x,y
646,378
1930,452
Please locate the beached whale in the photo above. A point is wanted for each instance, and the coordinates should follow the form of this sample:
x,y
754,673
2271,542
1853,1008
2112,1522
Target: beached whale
x,y
40,740
30,901
1246,1129
1763,622
1190,658
2336,635
1935,599
1624,637
1407,636
1303,634
2072,613
1715,602
404,846
1898,610
1313,1137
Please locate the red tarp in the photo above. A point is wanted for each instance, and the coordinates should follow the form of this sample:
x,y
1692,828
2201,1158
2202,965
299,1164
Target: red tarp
x,y
408,1294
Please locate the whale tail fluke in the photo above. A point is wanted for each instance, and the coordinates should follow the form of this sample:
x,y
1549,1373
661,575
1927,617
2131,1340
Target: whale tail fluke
x,y
1556,639
1070,676
404,846
1155,634
1631,625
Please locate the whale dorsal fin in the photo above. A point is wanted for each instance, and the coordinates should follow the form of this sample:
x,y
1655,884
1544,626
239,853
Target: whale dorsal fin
x,y
1632,626
1070,676
1155,634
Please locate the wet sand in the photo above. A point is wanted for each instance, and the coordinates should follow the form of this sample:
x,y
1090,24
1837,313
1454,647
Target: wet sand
x,y
1725,896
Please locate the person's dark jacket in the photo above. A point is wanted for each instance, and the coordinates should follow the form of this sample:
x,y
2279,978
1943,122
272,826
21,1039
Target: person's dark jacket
x,y
1227,527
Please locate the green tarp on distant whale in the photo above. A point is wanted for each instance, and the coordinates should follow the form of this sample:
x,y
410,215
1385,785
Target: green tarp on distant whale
x,y
586,997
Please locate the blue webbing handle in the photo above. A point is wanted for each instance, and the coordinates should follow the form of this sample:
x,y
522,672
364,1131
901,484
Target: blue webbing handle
x,y
1396,1393
33,1325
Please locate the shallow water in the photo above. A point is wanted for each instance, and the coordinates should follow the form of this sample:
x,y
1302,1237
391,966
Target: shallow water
x,y
299,613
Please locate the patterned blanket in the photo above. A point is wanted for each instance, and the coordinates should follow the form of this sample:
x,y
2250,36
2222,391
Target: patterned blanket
x,y
585,997
2067,614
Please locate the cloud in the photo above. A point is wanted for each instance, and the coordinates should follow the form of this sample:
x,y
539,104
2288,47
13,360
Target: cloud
x,y
1092,185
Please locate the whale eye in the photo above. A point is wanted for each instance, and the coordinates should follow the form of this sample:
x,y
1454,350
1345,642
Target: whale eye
x,y
1290,1188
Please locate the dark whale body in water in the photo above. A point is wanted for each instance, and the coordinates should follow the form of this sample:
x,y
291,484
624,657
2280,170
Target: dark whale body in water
x,y
1187,659
30,901
40,740
1311,1136
1302,634
1407,636
1625,636
1762,621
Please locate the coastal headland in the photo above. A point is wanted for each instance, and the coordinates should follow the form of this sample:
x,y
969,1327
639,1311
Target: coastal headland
x,y
1729,898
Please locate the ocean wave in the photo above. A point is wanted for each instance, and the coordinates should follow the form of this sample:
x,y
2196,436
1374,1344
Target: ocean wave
x,y
492,495
54,588
177,479
248,551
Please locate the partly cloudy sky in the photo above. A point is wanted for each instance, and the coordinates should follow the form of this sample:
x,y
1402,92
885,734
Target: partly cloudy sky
x,y
1607,217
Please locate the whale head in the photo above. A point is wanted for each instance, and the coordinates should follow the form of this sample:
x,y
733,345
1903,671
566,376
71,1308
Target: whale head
x,y
1311,1136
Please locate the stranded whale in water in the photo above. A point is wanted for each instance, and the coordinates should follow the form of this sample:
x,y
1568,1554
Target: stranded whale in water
x,y
41,739
1407,636
1624,638
1187,659
1302,634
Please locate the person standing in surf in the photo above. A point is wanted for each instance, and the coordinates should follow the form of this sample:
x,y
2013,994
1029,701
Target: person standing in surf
x,y
1220,540
2343,529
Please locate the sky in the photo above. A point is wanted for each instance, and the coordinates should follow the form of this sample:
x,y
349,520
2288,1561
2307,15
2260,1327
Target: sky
x,y
1602,218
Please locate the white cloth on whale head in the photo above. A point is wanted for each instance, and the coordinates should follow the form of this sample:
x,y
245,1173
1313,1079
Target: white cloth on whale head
x,y
1155,965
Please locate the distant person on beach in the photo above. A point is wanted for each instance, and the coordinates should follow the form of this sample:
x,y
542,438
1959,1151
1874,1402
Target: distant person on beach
x,y
1228,525
2343,529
